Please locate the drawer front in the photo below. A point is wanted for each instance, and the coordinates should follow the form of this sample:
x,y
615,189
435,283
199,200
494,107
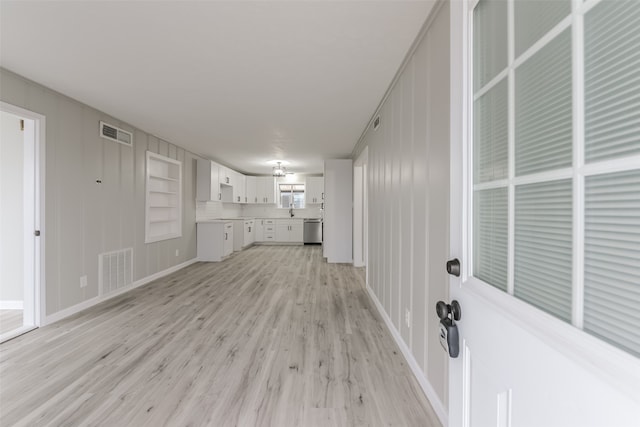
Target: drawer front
x,y
269,222
269,229
269,237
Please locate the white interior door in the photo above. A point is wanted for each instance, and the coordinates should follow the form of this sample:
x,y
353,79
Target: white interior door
x,y
545,219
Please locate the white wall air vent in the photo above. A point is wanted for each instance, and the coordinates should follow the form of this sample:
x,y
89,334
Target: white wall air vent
x,y
116,134
376,123
115,270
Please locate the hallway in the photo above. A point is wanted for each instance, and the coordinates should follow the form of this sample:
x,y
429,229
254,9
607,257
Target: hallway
x,y
272,336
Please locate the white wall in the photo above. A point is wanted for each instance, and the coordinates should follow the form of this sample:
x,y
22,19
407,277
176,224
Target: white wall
x,y
84,218
338,211
11,209
408,182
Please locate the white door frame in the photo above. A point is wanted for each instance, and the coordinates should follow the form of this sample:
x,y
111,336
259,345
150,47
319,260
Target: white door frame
x,y
36,124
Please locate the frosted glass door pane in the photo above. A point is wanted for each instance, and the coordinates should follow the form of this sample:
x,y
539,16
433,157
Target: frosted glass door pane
x,y
535,18
543,98
543,246
490,236
612,259
490,149
489,41
612,80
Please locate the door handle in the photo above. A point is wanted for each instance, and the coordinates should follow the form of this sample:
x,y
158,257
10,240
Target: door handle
x,y
449,336
443,310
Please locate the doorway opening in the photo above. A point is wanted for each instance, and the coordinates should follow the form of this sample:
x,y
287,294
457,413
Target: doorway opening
x,y
21,209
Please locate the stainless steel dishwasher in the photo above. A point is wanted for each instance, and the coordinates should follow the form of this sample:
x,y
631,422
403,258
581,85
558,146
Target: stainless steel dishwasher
x,y
312,231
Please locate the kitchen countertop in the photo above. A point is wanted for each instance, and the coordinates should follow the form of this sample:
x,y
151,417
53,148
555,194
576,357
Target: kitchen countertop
x,y
223,220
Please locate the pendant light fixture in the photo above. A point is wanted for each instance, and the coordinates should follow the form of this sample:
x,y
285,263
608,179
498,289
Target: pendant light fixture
x,y
279,171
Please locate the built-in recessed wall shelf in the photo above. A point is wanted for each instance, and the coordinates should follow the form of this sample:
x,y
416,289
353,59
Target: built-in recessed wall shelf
x,y
163,199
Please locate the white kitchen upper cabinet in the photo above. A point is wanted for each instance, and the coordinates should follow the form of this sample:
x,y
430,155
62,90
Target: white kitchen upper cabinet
x,y
314,190
225,175
266,189
251,189
207,181
239,190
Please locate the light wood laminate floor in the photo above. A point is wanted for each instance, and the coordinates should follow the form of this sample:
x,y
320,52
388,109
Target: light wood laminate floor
x,y
272,336
10,320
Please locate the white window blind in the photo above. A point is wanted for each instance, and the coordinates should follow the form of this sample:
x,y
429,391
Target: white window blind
x,y
534,18
543,246
612,80
490,134
490,52
556,221
543,108
612,258
490,239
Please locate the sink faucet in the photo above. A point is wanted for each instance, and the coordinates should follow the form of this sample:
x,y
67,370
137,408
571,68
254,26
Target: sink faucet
x,y
291,211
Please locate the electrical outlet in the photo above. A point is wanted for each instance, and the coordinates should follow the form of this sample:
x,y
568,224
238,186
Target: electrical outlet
x,y
177,252
407,317
83,281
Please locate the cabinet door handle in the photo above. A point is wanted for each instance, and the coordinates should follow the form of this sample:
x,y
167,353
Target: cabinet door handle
x,y
225,236
249,229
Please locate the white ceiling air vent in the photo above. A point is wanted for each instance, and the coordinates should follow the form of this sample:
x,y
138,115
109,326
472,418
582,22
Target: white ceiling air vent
x,y
376,123
115,134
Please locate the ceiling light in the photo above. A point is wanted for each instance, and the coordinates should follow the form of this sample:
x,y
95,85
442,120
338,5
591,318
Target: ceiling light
x,y
279,170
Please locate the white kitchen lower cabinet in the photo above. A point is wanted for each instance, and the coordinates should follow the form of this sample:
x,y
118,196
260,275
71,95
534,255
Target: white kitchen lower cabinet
x,y
249,232
281,230
268,230
289,230
214,240
243,233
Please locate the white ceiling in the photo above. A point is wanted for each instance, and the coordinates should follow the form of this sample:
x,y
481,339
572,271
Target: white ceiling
x,y
239,82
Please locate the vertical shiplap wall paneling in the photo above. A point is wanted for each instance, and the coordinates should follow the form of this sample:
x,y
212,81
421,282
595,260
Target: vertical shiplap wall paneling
x,y
127,191
405,205
395,279
419,198
386,207
69,179
84,218
92,217
408,201
140,262
438,167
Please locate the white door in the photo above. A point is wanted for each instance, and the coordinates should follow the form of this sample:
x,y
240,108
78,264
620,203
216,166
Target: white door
x,y
545,217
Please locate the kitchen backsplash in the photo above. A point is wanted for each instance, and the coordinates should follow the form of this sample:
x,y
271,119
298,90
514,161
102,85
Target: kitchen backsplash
x,y
215,210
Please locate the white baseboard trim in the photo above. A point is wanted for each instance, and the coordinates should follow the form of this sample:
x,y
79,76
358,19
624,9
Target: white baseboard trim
x,y
52,318
11,305
431,394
